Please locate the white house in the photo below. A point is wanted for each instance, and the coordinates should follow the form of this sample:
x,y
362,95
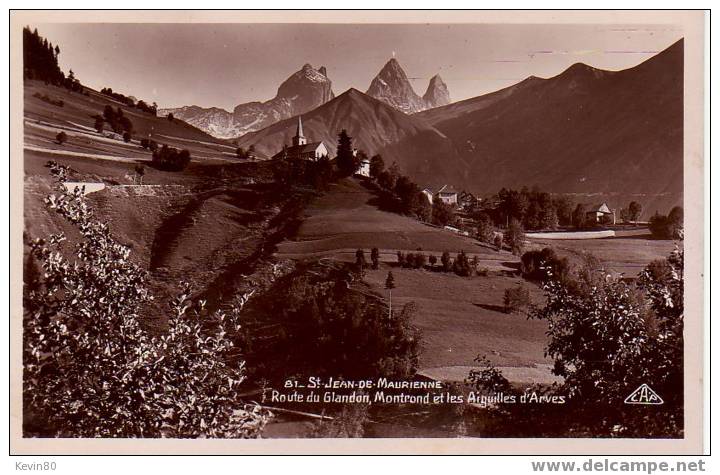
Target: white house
x,y
448,195
601,213
364,169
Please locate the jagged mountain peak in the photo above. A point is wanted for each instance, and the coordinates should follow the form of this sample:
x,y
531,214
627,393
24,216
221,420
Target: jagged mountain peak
x,y
437,93
304,90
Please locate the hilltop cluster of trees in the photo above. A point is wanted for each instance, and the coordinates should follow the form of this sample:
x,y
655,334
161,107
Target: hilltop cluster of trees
x,y
117,120
170,159
398,193
129,101
40,61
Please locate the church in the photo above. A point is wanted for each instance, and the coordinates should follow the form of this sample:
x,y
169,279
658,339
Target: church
x,y
300,149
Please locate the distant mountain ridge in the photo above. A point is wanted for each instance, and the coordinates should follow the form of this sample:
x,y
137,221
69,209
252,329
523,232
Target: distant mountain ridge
x,y
302,91
599,135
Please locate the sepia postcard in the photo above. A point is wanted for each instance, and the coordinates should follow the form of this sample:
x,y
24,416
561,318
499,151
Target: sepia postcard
x,y
295,232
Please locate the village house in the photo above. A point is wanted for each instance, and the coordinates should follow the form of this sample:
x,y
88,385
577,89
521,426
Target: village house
x,y
301,149
467,200
364,169
600,213
448,195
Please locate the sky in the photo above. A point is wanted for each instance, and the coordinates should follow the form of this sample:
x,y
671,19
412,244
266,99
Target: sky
x,y
223,65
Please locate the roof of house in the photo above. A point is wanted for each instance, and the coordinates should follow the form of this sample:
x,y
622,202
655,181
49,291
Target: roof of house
x,y
299,149
596,207
447,189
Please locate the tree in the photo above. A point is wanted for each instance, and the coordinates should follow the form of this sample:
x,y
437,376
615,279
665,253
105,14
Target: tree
x,y
170,117
516,298
442,214
461,266
169,159
446,261
360,261
241,153
346,160
498,241
609,337
127,137
390,285
485,228
433,260
579,216
99,124
515,237
377,166
90,370
375,257
635,210
139,173
61,138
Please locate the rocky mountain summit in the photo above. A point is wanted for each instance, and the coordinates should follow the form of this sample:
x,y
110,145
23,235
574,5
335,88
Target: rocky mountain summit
x,y
304,90
393,87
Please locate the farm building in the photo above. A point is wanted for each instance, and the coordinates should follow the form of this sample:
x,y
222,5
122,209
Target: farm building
x,y
301,148
600,213
448,195
364,169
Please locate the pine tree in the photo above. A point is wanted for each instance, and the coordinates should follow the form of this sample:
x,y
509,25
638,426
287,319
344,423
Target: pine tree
x,y
345,158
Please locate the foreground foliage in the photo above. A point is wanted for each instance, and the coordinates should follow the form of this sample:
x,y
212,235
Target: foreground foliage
x,y
90,370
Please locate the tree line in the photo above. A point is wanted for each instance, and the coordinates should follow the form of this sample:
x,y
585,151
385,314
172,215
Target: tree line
x,y
40,61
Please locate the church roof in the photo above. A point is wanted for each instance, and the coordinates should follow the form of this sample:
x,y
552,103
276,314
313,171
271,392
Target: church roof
x,y
299,149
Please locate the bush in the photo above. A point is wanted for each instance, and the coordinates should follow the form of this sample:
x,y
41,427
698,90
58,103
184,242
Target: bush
x,y
127,137
667,227
634,328
61,138
145,143
538,266
339,331
516,299
170,159
461,266
170,117
446,261
90,370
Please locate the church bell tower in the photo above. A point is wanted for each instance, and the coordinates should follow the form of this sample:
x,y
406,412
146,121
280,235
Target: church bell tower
x,y
299,138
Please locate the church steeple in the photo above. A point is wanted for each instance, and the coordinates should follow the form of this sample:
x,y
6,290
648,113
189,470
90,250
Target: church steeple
x,y
299,138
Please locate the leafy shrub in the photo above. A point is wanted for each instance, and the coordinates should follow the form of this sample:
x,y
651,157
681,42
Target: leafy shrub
x,y
90,370
61,138
339,331
461,265
667,227
516,299
170,159
127,137
609,337
538,266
